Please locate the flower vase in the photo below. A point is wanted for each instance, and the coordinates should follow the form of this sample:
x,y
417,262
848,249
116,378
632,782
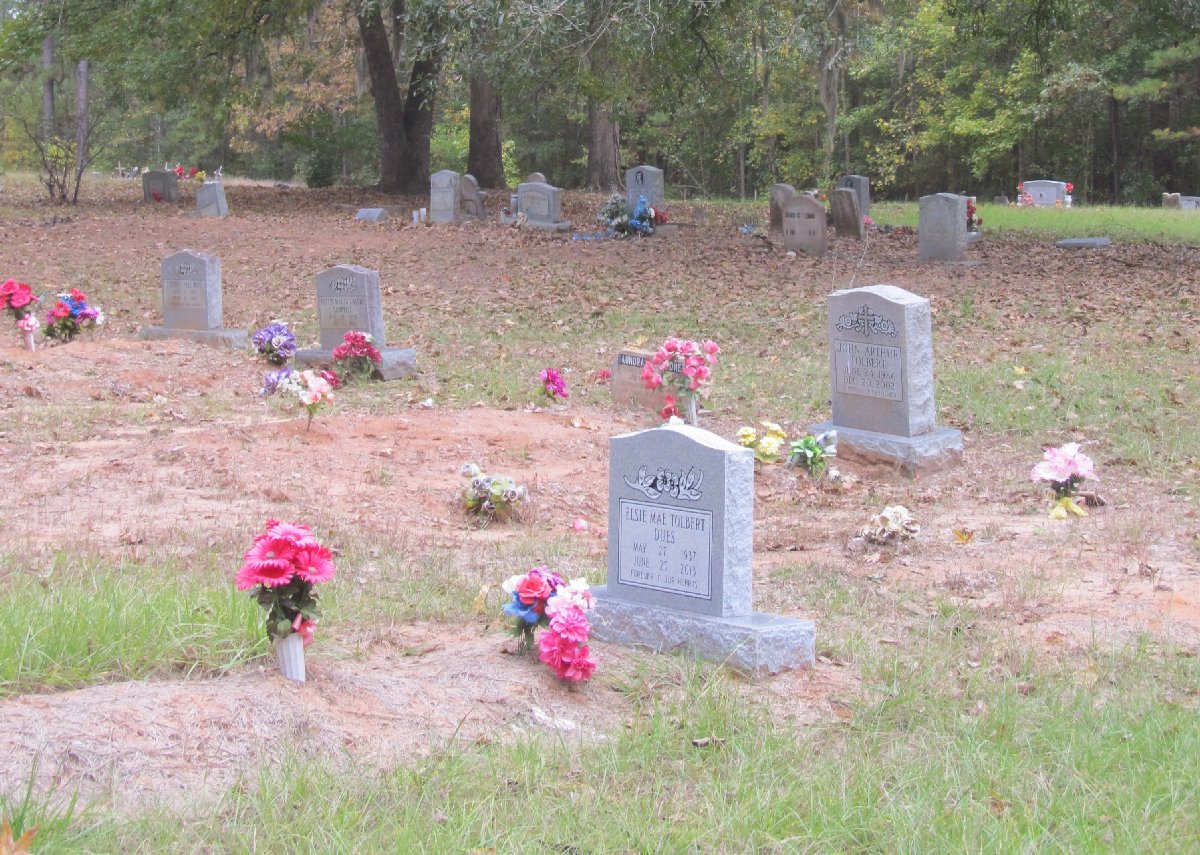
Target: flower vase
x,y
290,652
29,345
693,412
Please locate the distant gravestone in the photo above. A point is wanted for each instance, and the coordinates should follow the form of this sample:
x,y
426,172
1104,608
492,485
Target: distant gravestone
x,y
645,181
444,196
881,371
372,215
542,206
626,384
781,194
191,301
160,182
1047,193
210,200
1172,200
535,178
1189,203
861,185
680,550
942,228
1084,243
804,226
472,200
847,218
349,299
1000,200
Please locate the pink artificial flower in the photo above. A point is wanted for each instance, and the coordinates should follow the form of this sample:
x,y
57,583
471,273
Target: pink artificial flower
x,y
570,623
269,547
9,286
304,628
669,409
533,587
272,573
710,348
21,297
604,375
550,649
651,378
314,564
576,664
27,324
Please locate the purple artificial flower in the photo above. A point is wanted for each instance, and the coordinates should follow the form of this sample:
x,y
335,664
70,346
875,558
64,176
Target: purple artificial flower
x,y
272,379
276,342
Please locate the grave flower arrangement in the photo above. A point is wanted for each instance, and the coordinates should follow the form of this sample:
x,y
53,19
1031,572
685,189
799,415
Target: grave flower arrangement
x,y
691,383
974,221
553,384
274,343
542,598
356,356
767,446
17,299
190,172
615,214
813,452
312,389
71,315
891,525
282,567
490,497
1064,469
1023,198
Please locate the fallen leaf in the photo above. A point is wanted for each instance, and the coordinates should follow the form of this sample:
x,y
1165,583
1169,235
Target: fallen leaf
x,y
964,535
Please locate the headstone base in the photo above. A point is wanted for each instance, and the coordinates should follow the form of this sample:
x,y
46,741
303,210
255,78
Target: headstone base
x,y
756,645
941,448
561,226
974,236
1084,243
397,363
232,339
372,215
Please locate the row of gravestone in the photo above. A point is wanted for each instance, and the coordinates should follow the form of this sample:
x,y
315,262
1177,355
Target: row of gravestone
x,y
348,299
1181,202
162,185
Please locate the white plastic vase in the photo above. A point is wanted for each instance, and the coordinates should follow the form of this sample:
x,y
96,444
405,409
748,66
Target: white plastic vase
x,y
290,651
29,345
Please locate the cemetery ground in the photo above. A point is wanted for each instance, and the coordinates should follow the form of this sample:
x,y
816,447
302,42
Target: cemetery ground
x,y
1003,681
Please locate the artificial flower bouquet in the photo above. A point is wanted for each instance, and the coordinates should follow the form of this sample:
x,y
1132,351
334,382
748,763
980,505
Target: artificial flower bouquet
x,y
356,356
542,598
616,216
974,221
813,452
767,446
1064,469
71,315
891,525
553,384
311,389
691,383
490,497
283,565
18,300
275,343
190,172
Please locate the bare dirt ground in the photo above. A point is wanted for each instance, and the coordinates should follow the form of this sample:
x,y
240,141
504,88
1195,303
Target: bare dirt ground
x,y
175,447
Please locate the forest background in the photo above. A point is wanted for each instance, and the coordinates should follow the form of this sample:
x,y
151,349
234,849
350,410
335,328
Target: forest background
x,y
728,96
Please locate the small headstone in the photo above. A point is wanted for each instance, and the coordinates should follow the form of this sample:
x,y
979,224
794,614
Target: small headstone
x,y
847,218
1084,243
162,182
861,185
781,194
349,298
680,554
628,390
1172,200
645,181
535,178
881,371
942,228
1189,203
804,225
444,196
542,206
210,200
191,301
472,199
372,215
1000,200
1047,193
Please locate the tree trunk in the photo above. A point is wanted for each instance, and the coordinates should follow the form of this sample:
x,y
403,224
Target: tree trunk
x,y
385,92
602,167
83,128
828,90
47,87
418,121
485,158
1114,140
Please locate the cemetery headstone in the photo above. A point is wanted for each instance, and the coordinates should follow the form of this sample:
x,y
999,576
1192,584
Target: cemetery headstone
x,y
942,227
1084,243
444,196
847,218
804,225
372,215
781,194
191,301
1189,203
210,200
1172,200
628,390
680,554
542,206
472,203
645,181
1000,200
162,182
1047,193
861,185
881,372
349,298
535,178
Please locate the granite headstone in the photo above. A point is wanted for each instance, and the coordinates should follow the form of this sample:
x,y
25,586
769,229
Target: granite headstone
x,y
781,194
861,185
1047,193
645,181
542,205
472,200
210,200
628,389
942,229
191,301
444,196
847,219
162,182
804,225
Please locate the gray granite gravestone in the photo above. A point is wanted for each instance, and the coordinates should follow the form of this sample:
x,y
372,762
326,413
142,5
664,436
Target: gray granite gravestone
x,y
804,225
210,200
372,215
1172,200
645,181
781,194
349,299
881,370
1047,193
628,389
444,196
542,206
942,228
191,300
535,178
847,219
1189,203
680,554
1084,243
161,181
999,200
472,200
861,185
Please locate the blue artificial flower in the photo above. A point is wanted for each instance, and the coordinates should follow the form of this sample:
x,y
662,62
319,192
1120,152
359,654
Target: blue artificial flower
x,y
272,379
518,609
